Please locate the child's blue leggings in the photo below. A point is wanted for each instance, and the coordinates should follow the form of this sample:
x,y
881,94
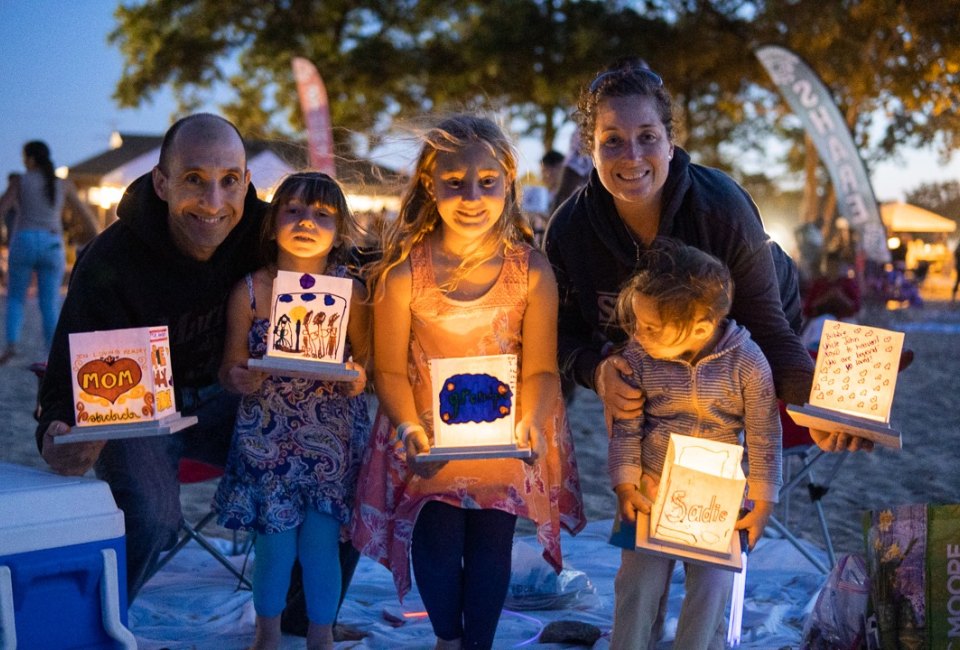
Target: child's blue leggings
x,y
316,543
461,559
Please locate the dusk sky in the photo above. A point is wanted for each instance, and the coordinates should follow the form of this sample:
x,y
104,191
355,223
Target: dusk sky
x,y
57,75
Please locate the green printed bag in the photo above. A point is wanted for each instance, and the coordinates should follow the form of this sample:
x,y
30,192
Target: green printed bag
x,y
913,560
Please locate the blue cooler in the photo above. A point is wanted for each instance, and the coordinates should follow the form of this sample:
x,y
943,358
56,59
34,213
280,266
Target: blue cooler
x,y
62,563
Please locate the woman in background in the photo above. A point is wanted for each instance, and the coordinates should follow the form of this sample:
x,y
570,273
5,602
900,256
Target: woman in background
x,y
36,241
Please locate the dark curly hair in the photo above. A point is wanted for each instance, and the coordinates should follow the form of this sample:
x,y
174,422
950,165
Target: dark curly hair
x,y
629,76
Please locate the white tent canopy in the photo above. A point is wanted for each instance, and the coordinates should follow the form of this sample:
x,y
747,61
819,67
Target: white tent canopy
x,y
904,217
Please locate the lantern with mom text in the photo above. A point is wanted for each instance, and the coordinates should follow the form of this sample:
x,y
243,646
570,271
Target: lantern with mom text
x,y
474,408
123,385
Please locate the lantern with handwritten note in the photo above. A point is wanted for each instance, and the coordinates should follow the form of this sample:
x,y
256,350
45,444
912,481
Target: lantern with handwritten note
x,y
854,382
697,505
307,335
123,385
474,408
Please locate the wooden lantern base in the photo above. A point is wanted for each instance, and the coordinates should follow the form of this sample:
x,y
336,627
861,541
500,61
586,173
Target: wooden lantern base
x,y
823,419
732,561
166,426
437,454
304,368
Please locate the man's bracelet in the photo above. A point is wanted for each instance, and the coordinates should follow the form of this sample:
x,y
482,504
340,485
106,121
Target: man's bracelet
x,y
406,428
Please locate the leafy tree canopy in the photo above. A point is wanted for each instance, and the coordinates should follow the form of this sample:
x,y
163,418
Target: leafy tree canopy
x,y
893,65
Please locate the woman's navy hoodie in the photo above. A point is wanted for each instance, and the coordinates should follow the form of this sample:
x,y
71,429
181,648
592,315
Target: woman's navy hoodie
x,y
593,254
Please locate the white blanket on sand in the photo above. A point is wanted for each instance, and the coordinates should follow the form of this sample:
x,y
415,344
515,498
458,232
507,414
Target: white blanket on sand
x,y
194,603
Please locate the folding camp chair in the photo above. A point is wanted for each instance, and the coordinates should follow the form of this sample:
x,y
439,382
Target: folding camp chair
x,y
801,456
194,471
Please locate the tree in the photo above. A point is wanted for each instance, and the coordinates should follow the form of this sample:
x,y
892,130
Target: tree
x,y
941,198
531,57
387,59
893,67
362,50
379,58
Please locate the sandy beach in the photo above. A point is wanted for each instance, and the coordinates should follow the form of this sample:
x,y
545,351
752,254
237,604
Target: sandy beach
x,y
924,409
924,471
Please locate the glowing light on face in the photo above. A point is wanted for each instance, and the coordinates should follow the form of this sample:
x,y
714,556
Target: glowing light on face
x,y
306,231
204,186
469,186
662,340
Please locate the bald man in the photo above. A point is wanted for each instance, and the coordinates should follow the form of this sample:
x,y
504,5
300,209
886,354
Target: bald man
x,y
185,234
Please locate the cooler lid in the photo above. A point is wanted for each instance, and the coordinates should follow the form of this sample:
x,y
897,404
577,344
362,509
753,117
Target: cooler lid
x,y
40,509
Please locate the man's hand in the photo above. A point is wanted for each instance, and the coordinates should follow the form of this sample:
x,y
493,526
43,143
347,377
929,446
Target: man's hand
x,y
621,401
243,380
72,459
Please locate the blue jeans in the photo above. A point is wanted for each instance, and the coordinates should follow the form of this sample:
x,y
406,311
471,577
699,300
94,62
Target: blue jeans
x,y
461,559
142,474
42,252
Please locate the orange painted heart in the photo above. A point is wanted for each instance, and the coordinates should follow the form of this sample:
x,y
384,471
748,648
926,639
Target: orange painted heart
x,y
109,378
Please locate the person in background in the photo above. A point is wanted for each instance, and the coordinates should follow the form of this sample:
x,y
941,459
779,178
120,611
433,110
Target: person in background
x,y
459,278
551,167
37,199
574,173
10,216
835,295
292,470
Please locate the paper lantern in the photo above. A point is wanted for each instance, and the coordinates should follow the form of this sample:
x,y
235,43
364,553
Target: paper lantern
x,y
700,493
854,383
474,408
123,385
307,335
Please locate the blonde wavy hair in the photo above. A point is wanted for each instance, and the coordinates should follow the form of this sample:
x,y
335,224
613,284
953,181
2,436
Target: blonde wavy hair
x,y
418,214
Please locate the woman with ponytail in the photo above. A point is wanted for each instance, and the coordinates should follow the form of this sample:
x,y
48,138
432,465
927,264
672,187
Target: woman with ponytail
x,y
36,241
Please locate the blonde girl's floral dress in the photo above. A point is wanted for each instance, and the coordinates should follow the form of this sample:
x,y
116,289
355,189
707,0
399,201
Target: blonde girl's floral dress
x,y
297,444
390,496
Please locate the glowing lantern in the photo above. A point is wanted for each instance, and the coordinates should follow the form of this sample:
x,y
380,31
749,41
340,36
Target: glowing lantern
x,y
854,382
697,505
123,385
474,408
307,335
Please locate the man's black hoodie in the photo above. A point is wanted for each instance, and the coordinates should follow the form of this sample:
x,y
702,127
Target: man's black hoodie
x,y
133,275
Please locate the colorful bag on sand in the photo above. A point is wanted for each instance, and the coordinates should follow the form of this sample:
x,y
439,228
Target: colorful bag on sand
x,y
913,557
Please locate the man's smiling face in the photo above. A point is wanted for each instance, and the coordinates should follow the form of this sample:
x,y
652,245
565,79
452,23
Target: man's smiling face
x,y
204,185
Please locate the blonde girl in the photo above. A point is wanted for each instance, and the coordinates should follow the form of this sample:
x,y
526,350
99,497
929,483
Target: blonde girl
x,y
459,278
